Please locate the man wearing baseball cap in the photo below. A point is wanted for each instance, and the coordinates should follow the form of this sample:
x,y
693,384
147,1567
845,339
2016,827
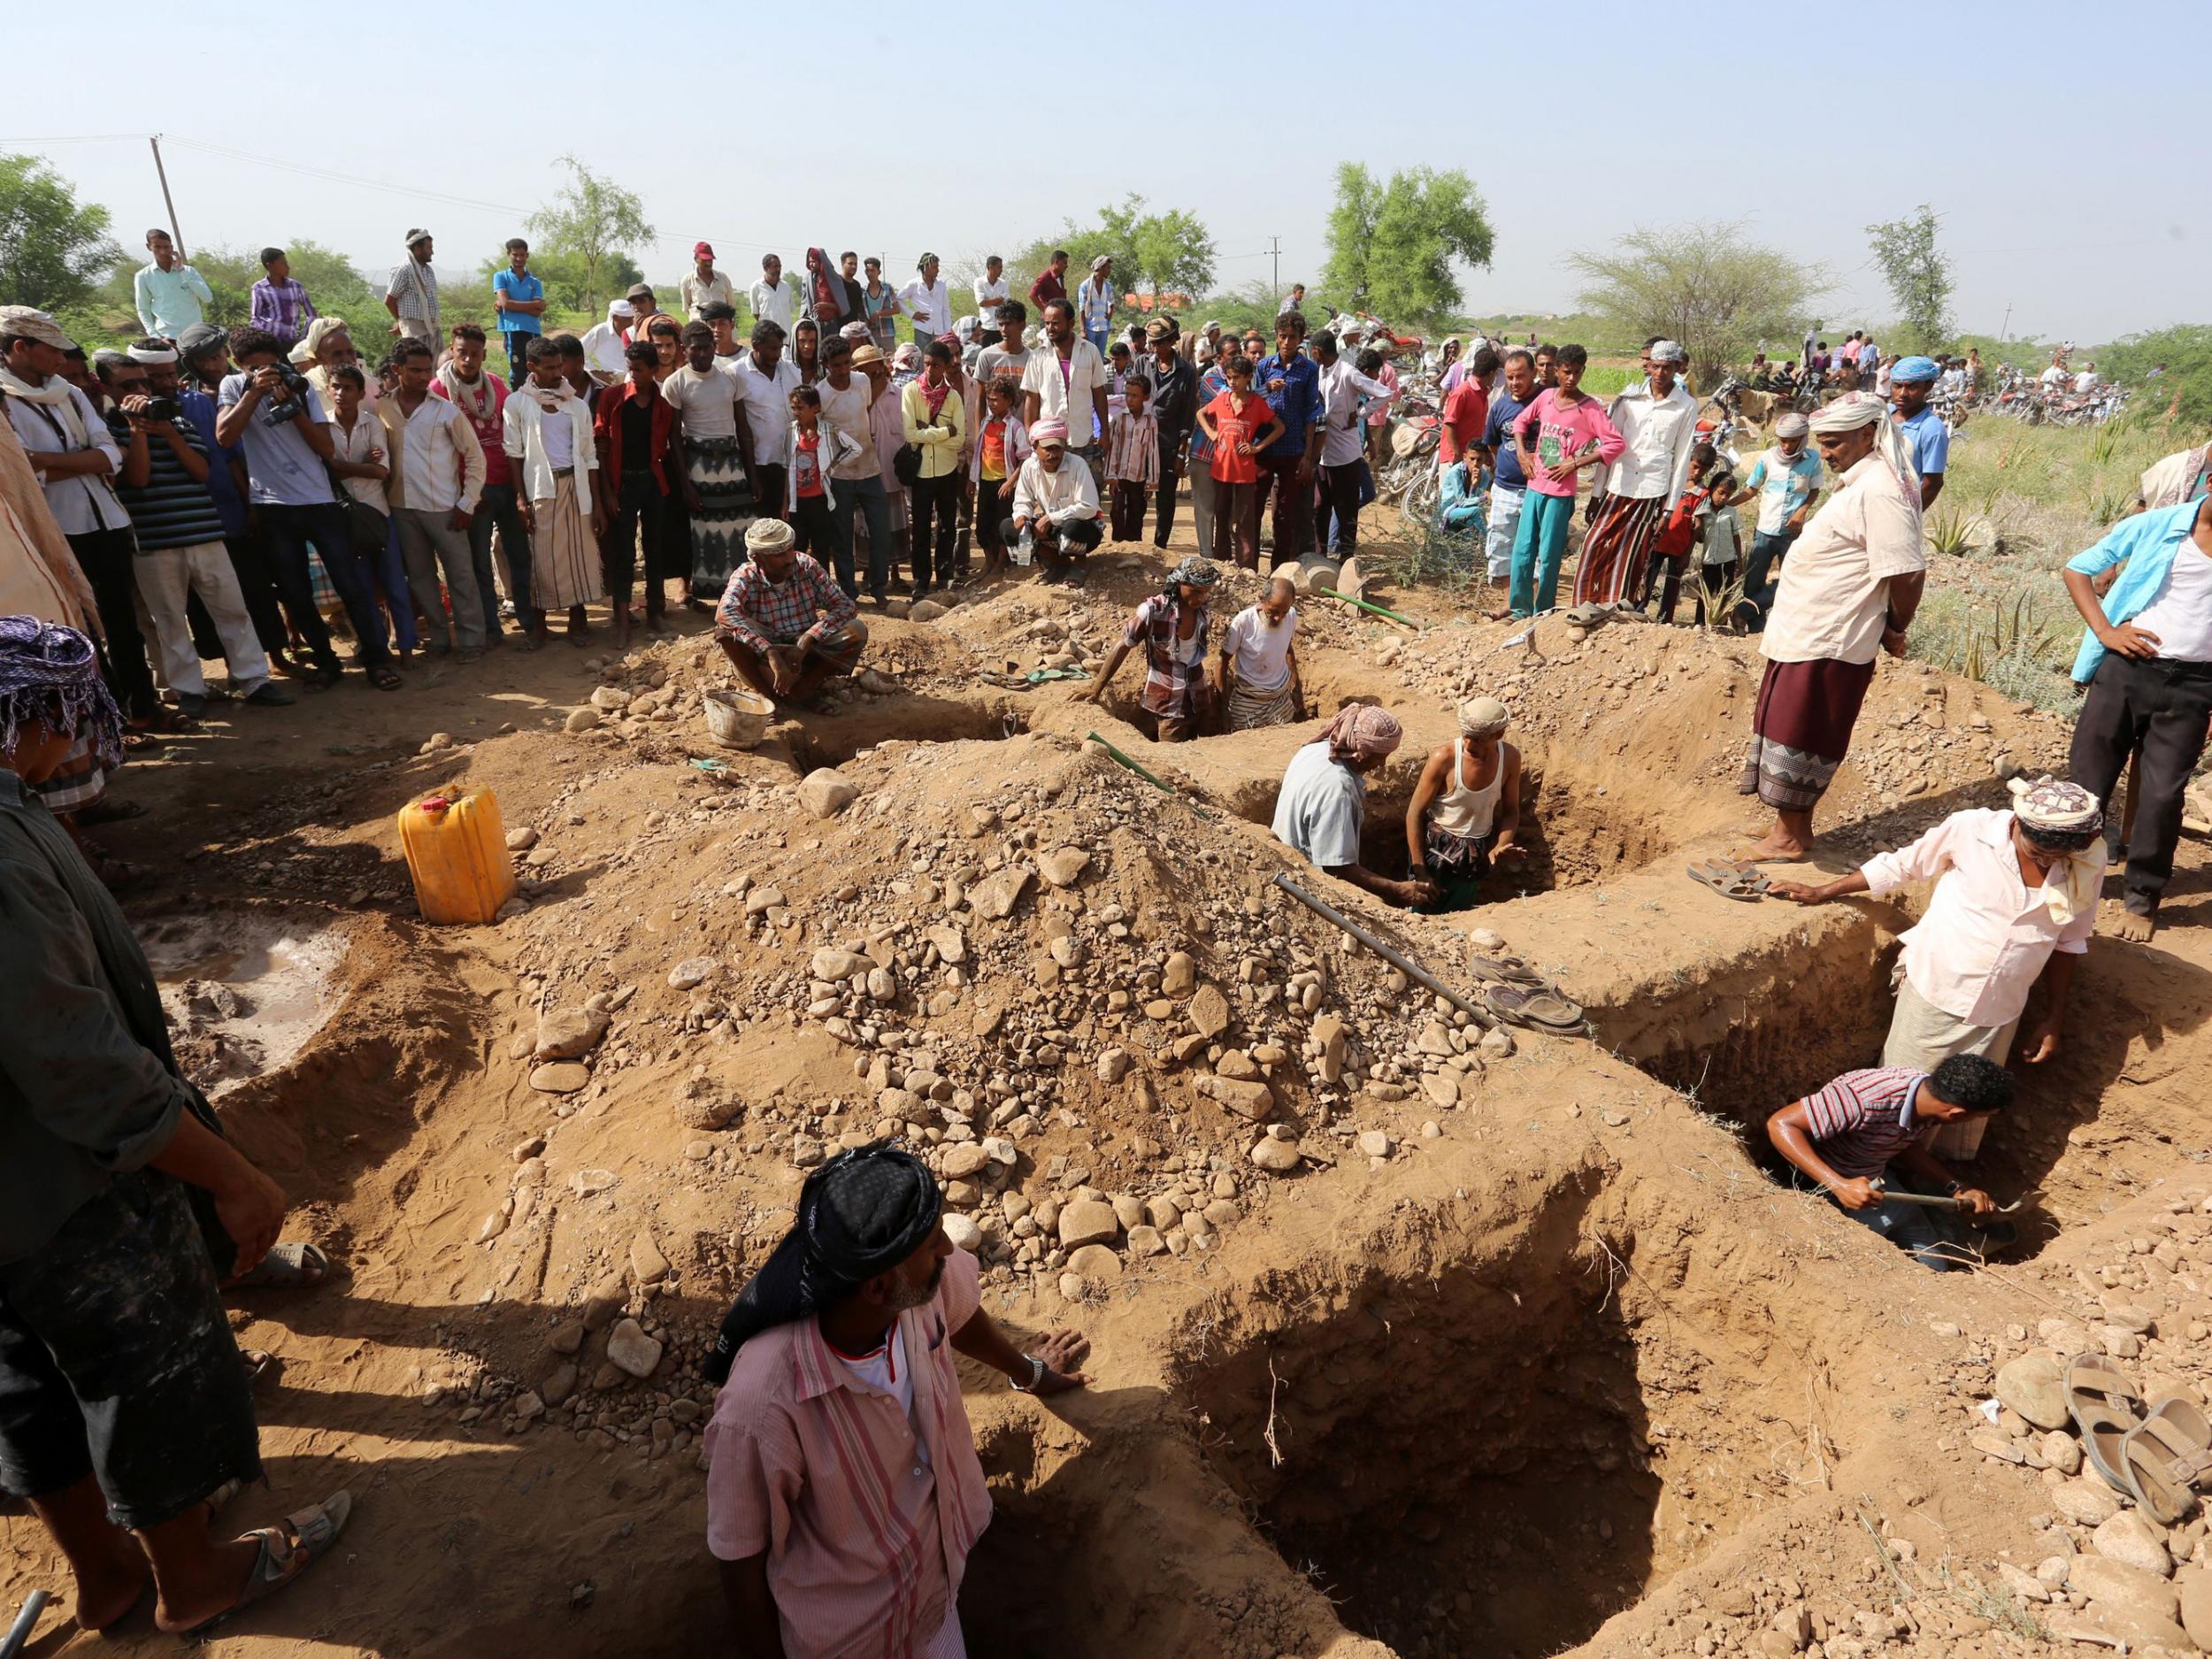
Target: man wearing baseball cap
x,y
1926,438
704,286
412,297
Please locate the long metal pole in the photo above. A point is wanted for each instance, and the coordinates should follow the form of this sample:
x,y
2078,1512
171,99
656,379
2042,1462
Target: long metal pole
x,y
1397,959
176,232
25,1622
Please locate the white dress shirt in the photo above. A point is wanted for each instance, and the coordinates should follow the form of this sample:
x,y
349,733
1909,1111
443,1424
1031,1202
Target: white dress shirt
x,y
1057,496
772,303
989,297
1343,386
1658,436
767,405
437,464
1979,950
928,306
1057,396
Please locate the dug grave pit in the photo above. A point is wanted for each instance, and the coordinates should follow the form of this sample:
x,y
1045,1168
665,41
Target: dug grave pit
x,y
1500,1449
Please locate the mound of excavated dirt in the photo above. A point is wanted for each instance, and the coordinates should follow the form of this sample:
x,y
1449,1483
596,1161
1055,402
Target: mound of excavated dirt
x,y
1407,1340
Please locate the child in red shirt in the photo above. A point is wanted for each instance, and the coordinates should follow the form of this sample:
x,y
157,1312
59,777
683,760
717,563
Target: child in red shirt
x,y
1238,424
812,526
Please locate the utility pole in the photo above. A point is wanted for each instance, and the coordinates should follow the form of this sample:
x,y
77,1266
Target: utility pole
x,y
1276,251
2004,330
175,230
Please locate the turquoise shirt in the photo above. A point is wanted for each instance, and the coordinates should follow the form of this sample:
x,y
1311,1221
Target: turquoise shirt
x,y
2147,543
526,287
170,302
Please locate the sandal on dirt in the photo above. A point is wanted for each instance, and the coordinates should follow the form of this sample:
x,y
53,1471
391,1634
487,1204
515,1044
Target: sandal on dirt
x,y
259,1363
1731,883
2106,1410
288,1267
1509,971
1538,1010
384,678
287,1549
2167,1458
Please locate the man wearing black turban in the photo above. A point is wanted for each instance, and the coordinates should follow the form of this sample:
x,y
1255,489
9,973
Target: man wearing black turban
x,y
843,1492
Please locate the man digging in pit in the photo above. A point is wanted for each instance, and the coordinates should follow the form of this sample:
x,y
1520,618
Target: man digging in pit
x,y
844,1490
784,623
1848,592
1868,1124
2016,899
1323,802
1258,671
1171,627
1465,814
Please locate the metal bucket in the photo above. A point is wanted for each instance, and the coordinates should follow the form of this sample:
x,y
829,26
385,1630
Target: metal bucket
x,y
737,719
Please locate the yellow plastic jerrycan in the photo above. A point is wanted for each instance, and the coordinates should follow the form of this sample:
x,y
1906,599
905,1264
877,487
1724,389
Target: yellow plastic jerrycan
x,y
457,853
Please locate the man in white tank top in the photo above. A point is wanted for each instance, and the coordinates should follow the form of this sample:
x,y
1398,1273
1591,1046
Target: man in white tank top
x,y
1465,817
2147,662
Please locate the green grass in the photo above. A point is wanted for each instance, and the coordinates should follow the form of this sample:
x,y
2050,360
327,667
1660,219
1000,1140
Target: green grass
x,y
2018,503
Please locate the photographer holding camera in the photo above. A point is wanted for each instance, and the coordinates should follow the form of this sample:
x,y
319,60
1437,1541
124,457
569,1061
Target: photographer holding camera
x,y
270,410
162,483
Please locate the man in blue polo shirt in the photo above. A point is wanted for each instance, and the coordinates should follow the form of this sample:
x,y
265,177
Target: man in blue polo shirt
x,y
1291,382
1926,437
519,298
2147,662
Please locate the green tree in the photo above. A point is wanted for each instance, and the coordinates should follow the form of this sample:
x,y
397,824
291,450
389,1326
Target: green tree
x,y
54,249
590,218
1704,284
1158,253
2182,391
1919,277
1395,247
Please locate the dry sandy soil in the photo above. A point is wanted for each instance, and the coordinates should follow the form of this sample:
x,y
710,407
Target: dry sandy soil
x,y
1527,1353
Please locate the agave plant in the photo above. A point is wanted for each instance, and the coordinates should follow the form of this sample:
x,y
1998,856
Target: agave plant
x,y
1947,531
2011,630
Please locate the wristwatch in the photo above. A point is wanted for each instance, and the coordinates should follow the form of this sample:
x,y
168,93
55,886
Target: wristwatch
x,y
1037,1369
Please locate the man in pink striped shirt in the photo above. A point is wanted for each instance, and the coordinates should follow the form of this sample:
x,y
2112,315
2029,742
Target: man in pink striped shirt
x,y
844,1490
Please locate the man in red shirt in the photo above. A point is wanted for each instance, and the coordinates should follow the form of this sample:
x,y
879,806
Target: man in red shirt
x,y
1467,410
1051,283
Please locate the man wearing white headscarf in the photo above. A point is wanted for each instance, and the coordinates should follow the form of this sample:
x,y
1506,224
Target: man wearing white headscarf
x,y
2185,475
1966,970
1465,814
1848,592
605,342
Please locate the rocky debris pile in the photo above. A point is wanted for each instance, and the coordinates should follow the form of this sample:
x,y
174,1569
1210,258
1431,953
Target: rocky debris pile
x,y
1103,1030
2112,1573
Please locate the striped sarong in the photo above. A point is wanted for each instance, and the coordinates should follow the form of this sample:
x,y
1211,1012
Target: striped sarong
x,y
564,566
1250,709
726,507
77,782
1617,549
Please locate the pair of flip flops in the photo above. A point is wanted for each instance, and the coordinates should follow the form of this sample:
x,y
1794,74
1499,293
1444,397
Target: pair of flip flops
x,y
1535,1009
2160,1455
1731,881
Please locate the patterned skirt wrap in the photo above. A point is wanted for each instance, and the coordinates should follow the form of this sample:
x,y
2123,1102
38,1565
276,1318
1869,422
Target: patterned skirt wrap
x,y
1617,549
726,507
1800,730
565,567
1250,709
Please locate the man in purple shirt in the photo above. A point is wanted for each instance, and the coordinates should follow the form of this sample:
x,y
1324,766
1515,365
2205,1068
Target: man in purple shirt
x,y
281,305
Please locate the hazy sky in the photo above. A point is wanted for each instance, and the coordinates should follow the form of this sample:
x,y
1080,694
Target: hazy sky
x,y
2060,145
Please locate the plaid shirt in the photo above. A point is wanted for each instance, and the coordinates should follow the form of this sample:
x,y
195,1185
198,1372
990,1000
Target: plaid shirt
x,y
1864,1119
808,605
283,309
1133,447
1168,672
